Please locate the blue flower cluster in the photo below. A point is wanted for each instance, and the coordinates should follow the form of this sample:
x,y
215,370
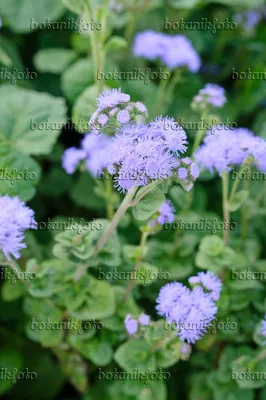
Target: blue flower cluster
x,y
191,311
93,152
131,324
211,94
223,148
173,50
114,109
15,218
140,154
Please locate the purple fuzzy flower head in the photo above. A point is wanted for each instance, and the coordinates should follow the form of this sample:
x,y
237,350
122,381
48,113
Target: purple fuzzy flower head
x,y
166,213
123,117
144,319
210,95
71,159
148,44
187,172
140,154
174,135
111,98
93,152
223,148
191,311
95,147
15,218
115,110
249,19
174,51
210,282
131,325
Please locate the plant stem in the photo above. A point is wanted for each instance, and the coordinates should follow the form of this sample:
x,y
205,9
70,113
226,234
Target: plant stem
x,y
130,28
237,181
143,192
226,212
199,135
126,203
79,273
143,242
108,199
159,105
244,216
97,43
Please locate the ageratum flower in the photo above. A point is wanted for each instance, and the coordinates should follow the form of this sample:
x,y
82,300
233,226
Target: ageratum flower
x,y
131,325
211,94
144,319
115,109
191,311
166,213
93,152
223,148
71,158
140,154
210,282
174,51
249,19
15,218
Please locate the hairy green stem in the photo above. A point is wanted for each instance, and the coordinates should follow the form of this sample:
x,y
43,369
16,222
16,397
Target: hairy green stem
x,y
161,94
143,242
226,212
237,181
244,216
126,203
199,135
129,201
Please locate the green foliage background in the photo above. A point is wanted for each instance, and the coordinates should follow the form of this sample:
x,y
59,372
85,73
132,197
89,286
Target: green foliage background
x,y
65,89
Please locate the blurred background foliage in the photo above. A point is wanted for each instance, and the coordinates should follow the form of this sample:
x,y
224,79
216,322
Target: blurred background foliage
x,y
64,89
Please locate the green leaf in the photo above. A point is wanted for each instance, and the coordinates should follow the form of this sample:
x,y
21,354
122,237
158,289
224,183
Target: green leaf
x,y
249,372
180,197
24,15
100,302
84,107
47,337
146,274
76,6
135,354
100,352
115,43
76,79
155,390
41,309
54,60
19,175
12,289
75,368
82,193
10,359
211,245
238,200
182,4
149,204
23,111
